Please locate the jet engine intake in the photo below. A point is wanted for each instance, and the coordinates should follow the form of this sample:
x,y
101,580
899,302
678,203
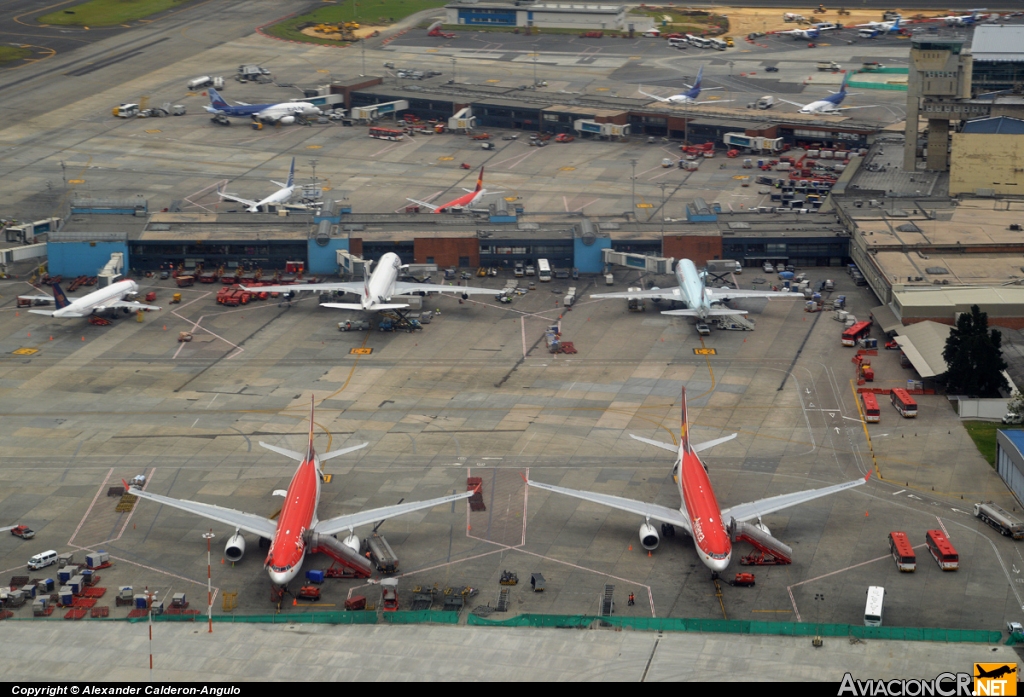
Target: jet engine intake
x,y
352,542
649,537
235,548
287,120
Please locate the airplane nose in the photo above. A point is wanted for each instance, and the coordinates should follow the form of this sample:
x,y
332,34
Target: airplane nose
x,y
719,565
281,578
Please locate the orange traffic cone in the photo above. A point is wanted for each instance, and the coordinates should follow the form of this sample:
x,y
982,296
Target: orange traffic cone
x,y
165,327
83,338
295,602
648,554
630,547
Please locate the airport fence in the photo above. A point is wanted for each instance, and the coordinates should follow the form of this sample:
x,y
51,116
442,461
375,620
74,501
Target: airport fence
x,y
745,627
312,617
895,71
421,617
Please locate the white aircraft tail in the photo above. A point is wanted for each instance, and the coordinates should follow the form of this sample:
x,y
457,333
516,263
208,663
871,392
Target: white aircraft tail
x,y
344,451
297,456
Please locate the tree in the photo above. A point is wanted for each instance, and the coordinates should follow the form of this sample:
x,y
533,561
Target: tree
x,y
974,356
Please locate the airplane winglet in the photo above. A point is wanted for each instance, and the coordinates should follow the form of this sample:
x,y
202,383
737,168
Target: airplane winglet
x,y
527,481
867,476
312,409
127,487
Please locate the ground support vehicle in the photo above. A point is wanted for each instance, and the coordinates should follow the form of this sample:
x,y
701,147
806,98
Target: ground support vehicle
x,y
998,518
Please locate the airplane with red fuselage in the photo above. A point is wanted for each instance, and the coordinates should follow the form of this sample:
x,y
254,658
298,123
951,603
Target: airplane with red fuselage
x,y
297,528
699,514
465,201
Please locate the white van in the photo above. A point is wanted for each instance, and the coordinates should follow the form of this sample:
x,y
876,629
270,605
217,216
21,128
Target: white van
x,y
873,608
43,560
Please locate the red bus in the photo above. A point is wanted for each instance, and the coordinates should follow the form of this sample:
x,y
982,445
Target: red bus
x,y
386,133
902,551
855,333
903,402
871,412
944,552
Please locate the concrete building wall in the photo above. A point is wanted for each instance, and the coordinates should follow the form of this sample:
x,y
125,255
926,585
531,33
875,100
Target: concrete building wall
x,y
987,161
82,258
447,252
697,248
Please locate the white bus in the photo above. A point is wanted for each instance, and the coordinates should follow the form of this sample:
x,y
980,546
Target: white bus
x,y
543,270
676,43
873,608
698,41
718,44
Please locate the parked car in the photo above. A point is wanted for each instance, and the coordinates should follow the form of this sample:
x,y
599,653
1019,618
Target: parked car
x,y
771,69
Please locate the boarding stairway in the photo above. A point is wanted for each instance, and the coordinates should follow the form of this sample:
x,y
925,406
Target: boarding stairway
x,y
735,322
341,553
767,550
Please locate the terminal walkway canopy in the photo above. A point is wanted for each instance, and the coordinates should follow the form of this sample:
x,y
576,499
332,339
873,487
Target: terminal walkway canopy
x,y
923,343
886,319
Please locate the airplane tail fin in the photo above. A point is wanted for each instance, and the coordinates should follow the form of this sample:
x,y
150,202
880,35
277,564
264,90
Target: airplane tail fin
x,y
480,181
896,25
842,85
59,299
684,430
700,76
291,175
216,100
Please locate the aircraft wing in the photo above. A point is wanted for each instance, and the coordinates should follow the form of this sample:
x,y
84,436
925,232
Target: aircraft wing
x,y
866,106
789,102
713,312
33,298
356,287
237,199
661,294
124,304
713,101
699,447
257,525
431,206
755,509
653,96
352,520
402,287
718,295
50,313
647,510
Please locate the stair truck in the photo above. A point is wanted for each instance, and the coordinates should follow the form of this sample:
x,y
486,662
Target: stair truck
x,y
1000,519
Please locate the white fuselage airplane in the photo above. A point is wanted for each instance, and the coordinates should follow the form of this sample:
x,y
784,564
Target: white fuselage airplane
x,y
963,20
891,26
699,514
284,113
376,291
280,197
829,104
689,96
297,528
808,34
699,299
467,200
109,298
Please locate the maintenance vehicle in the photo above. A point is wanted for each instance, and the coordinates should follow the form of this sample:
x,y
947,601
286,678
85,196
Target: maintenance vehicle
x,y
999,519
350,325
23,531
381,554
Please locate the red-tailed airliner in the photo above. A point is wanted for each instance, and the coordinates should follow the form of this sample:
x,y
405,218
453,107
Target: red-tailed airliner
x,y
698,514
297,528
465,201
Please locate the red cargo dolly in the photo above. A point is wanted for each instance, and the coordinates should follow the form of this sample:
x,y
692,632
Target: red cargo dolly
x,y
76,613
101,611
356,602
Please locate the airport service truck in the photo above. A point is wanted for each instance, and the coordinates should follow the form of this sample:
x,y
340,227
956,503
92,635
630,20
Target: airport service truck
x,y
1000,519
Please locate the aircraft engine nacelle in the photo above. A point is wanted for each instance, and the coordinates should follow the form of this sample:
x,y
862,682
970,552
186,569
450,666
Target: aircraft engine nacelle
x,y
352,542
235,548
287,120
649,537
99,309
465,296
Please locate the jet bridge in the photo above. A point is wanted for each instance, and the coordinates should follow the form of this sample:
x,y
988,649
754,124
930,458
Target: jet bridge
x,y
641,262
373,112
